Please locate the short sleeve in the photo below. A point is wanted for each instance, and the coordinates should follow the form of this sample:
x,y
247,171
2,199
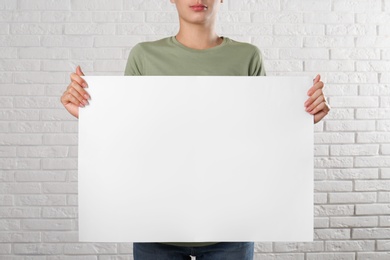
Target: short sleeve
x,y
134,66
256,65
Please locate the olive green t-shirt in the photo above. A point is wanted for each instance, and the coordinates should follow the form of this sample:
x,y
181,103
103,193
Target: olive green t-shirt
x,y
168,57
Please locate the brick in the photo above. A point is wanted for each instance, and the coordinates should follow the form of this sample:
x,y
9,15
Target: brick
x,y
8,5
68,40
374,90
19,40
8,53
65,66
315,246
42,151
373,137
35,127
373,18
68,188
46,224
38,249
326,256
326,162
375,161
349,125
374,113
384,101
321,186
384,221
333,233
354,246
328,41
59,164
333,210
43,53
357,102
333,138
320,198
385,173
329,17
351,29
89,29
357,6
373,41
383,125
339,113
36,28
133,17
19,163
370,233
385,149
352,197
383,196
373,209
17,237
44,5
117,41
254,6
19,65
39,77
321,222
303,54
18,212
40,176
355,54
40,200
95,54
313,5
354,221
66,16
277,17
6,200
90,248
372,185
321,150
109,65
348,150
18,139
60,139
299,29
318,65
20,16
58,236
383,245
7,151
60,212
96,5
340,90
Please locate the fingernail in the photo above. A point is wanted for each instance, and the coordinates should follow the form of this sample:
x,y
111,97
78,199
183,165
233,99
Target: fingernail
x,y
87,96
85,102
81,105
85,85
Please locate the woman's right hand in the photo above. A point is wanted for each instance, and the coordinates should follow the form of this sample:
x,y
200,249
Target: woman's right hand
x,y
75,95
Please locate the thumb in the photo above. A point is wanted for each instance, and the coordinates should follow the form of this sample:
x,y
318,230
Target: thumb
x,y
79,71
317,78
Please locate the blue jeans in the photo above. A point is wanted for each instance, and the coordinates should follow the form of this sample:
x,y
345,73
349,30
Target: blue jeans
x,y
219,251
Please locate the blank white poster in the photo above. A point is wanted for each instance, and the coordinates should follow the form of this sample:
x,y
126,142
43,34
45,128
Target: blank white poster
x,y
195,159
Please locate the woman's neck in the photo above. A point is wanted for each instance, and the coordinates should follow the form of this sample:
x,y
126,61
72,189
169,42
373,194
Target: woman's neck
x,y
198,36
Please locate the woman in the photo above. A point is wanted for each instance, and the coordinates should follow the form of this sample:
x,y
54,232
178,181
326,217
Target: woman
x,y
195,50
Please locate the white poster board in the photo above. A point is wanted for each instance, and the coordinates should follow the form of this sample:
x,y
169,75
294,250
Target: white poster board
x,y
195,159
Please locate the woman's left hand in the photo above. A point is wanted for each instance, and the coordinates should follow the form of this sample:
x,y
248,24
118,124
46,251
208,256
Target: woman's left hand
x,y
316,103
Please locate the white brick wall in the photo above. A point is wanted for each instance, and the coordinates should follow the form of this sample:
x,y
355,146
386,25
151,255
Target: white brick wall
x,y
42,41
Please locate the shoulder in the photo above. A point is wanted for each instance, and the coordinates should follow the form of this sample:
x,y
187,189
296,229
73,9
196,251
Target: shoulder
x,y
243,46
151,45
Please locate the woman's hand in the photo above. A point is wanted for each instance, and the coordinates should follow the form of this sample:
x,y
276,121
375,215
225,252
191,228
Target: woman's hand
x,y
75,95
316,104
